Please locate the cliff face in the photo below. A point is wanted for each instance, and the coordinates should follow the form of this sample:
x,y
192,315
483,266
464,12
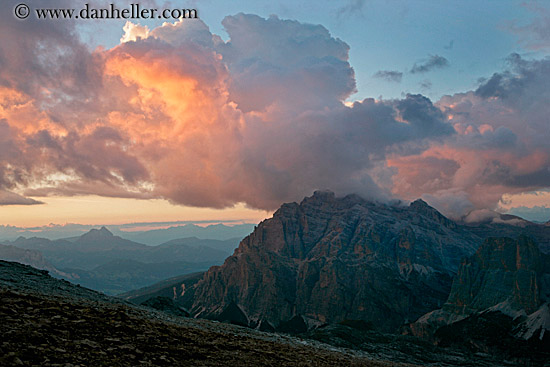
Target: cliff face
x,y
328,259
503,269
505,275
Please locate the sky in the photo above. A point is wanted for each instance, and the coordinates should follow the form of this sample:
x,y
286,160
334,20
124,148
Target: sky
x,y
257,103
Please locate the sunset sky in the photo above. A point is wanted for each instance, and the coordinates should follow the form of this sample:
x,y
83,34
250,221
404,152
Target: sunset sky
x,y
262,102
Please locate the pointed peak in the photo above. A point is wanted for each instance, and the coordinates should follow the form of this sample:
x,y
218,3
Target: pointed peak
x,y
423,208
102,232
105,231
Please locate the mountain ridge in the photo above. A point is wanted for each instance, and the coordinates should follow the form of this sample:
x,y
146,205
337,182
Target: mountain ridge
x,y
315,255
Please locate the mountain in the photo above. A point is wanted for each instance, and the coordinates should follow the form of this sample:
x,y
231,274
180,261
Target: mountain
x,y
50,322
178,289
511,226
328,259
99,246
225,246
122,275
502,270
504,286
213,231
29,257
137,232
87,251
111,264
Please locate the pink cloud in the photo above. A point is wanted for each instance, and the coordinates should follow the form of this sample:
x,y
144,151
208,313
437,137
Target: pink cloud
x,y
175,112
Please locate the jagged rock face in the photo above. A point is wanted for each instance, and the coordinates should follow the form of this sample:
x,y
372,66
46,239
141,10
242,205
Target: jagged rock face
x,y
330,259
505,275
503,269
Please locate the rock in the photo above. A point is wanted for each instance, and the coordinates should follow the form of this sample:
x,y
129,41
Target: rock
x,y
295,325
503,269
233,314
330,259
165,304
502,286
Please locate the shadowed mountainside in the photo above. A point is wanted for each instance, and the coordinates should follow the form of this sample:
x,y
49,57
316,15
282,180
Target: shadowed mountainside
x,y
328,259
506,282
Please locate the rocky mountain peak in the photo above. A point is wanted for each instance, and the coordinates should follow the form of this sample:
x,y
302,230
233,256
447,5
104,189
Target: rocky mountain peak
x,y
422,207
419,203
97,234
332,258
323,194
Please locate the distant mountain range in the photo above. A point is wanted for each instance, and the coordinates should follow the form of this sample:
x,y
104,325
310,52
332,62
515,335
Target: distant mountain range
x,y
102,261
212,232
138,232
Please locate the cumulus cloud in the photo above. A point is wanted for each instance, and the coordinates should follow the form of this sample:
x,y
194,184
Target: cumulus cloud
x,y
434,62
176,112
500,146
389,75
180,114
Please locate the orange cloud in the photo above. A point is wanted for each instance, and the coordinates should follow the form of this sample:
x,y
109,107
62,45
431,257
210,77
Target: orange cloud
x,y
177,113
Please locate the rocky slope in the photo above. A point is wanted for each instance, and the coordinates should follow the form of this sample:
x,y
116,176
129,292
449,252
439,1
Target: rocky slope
x,y
179,289
499,298
49,322
328,259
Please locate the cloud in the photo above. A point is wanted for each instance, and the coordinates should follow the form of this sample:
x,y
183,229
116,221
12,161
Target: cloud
x,y
499,147
426,85
536,34
434,62
180,114
176,112
351,7
11,198
389,75
307,69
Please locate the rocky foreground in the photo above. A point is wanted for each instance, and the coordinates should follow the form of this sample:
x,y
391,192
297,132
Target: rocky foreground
x,y
48,322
